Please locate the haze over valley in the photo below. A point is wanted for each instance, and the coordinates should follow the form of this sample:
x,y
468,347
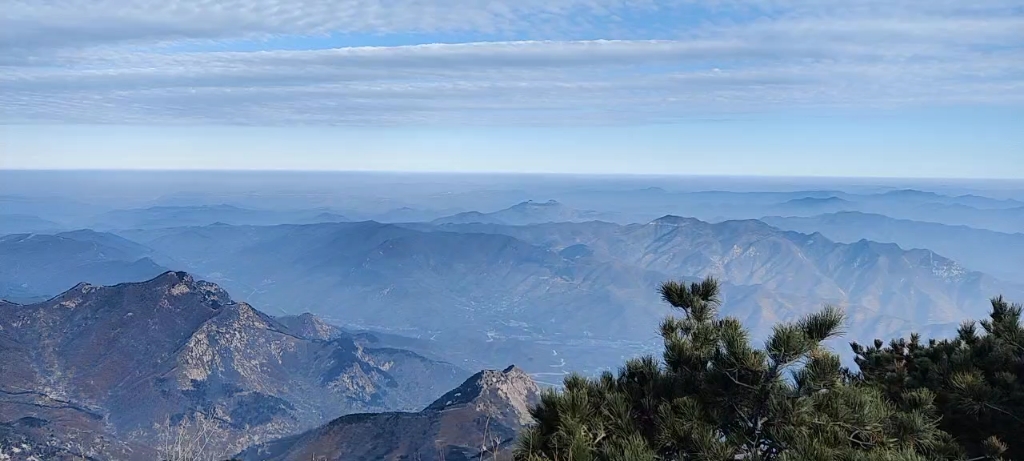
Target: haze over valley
x,y
554,274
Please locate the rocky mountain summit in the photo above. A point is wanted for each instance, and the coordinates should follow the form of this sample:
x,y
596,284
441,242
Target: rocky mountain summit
x,y
129,362
477,420
311,327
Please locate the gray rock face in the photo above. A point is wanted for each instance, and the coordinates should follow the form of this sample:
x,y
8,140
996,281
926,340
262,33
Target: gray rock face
x,y
310,326
478,419
130,357
509,393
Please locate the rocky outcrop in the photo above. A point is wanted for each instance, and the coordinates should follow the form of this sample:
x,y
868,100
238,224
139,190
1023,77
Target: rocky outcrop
x,y
479,419
310,326
128,359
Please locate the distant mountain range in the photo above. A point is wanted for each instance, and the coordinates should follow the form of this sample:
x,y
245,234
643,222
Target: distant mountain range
x,y
37,266
201,215
376,323
631,206
810,204
526,213
548,284
755,255
970,200
571,283
571,204
118,362
482,294
477,420
27,224
988,251
55,209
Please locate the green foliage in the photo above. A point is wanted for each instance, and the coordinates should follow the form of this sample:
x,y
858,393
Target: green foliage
x,y
978,379
714,396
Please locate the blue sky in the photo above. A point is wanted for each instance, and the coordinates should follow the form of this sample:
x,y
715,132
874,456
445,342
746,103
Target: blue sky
x,y
765,87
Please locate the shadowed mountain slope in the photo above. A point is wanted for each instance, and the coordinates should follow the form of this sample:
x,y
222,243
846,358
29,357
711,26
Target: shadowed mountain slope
x,y
38,266
476,420
988,251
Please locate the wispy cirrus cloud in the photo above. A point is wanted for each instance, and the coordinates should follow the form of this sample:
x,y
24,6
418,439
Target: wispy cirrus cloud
x,y
120,61
35,25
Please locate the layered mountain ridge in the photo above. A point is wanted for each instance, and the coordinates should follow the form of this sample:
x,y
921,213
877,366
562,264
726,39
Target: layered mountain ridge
x,y
502,292
974,248
580,286
526,213
38,266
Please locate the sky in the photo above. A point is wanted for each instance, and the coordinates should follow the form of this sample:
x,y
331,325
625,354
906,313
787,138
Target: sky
x,y
885,88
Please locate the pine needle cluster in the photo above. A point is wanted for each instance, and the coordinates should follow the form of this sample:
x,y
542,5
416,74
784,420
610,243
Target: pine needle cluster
x,y
977,377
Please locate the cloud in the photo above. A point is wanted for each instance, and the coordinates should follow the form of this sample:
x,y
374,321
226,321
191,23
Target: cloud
x,y
37,24
123,61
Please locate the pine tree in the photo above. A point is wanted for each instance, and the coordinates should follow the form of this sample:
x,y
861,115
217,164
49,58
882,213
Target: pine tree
x,y
978,379
714,396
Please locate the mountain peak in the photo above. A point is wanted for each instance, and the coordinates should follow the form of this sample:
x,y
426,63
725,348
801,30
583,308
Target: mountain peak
x,y
174,284
308,325
83,287
180,283
175,276
549,203
673,220
511,389
817,200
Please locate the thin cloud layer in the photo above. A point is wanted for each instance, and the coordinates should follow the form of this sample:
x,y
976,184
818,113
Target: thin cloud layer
x,y
524,62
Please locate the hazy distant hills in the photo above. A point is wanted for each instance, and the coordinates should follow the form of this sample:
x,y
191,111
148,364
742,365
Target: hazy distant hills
x,y
813,204
642,205
988,251
1008,220
201,215
477,420
566,282
37,266
310,326
753,254
1002,215
27,224
541,283
570,204
126,358
969,200
47,208
394,277
526,213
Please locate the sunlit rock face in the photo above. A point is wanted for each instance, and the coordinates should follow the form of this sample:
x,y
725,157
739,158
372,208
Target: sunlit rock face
x,y
128,359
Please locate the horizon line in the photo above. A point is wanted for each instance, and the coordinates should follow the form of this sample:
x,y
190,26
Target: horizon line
x,y
502,173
